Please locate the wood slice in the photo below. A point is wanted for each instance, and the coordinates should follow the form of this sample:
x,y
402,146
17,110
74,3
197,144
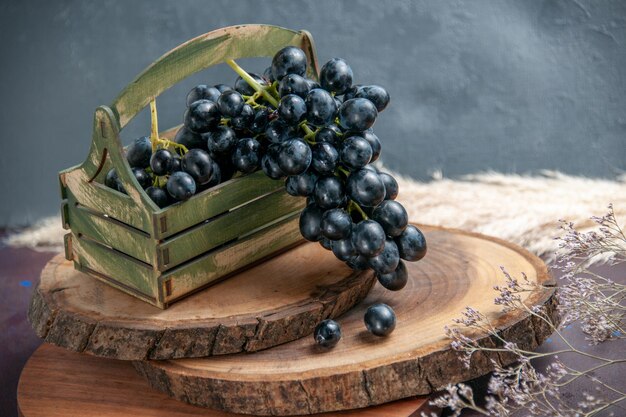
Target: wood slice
x,y
274,302
59,383
459,270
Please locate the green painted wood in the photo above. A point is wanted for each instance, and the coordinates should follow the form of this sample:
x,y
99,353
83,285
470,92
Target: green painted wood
x,y
227,227
236,256
212,202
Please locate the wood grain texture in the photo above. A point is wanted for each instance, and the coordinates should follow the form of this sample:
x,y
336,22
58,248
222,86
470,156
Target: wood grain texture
x,y
274,302
59,383
363,370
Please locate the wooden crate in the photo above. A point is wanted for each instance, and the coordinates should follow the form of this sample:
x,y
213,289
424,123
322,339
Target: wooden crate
x,y
162,255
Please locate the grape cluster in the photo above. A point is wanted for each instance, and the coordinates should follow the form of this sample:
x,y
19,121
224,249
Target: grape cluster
x,y
318,137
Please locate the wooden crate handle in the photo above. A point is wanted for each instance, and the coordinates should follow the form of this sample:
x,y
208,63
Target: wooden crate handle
x,y
234,42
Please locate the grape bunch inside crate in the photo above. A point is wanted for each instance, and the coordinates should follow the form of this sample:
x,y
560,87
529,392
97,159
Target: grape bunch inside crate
x,y
162,255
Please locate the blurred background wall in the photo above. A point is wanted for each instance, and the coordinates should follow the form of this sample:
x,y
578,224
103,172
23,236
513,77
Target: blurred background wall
x,y
512,86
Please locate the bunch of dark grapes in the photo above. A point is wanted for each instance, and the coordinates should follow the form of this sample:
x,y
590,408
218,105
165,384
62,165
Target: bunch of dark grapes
x,y
318,137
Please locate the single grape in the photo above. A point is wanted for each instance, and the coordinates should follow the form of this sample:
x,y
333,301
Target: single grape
x,y
293,84
343,249
368,238
325,243
189,139
291,109
321,107
160,197
366,188
356,152
230,103
376,94
143,178
246,157
301,185
358,263
181,186
357,114
278,131
202,116
267,74
329,192
380,319
294,157
223,87
336,76
216,176
161,162
411,244
289,60
112,181
325,158
310,221
176,165
244,119
202,92
386,261
374,142
327,333
336,224
392,216
199,165
391,186
396,280
269,162
138,153
312,84
242,87
329,134
222,140
261,119
351,92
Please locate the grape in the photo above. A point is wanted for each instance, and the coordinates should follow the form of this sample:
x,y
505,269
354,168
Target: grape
x,y
246,156
189,139
293,84
343,249
356,152
321,107
227,169
327,333
112,181
222,88
242,86
357,114
176,165
181,186
294,157
325,243
392,216
159,196
269,163
277,131
310,220
386,261
244,119
375,94
395,280
351,92
374,142
138,153
328,134
368,238
289,60
325,158
301,185
216,176
291,109
336,224
222,140
267,74
358,263
411,244
312,84
202,92
142,177
199,165
336,76
161,162
380,319
261,119
202,116
366,188
391,186
230,103
329,192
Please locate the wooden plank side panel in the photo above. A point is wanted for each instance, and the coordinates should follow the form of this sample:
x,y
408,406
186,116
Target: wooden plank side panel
x,y
236,256
227,227
210,203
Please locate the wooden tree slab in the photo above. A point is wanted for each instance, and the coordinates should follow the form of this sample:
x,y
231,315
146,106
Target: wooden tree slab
x,y
274,302
58,383
363,370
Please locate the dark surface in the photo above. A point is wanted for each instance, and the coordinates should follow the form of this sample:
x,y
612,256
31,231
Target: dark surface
x,y
505,85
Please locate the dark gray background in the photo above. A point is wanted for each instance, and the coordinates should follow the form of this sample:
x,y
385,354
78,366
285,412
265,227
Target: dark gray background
x,y
513,86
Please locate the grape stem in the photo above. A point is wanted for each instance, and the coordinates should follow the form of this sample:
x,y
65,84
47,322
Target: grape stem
x,y
252,82
354,205
154,133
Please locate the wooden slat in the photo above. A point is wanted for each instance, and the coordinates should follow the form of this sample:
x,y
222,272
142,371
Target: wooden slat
x,y
227,227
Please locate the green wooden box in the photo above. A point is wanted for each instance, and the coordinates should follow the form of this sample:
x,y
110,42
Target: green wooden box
x,y
162,255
